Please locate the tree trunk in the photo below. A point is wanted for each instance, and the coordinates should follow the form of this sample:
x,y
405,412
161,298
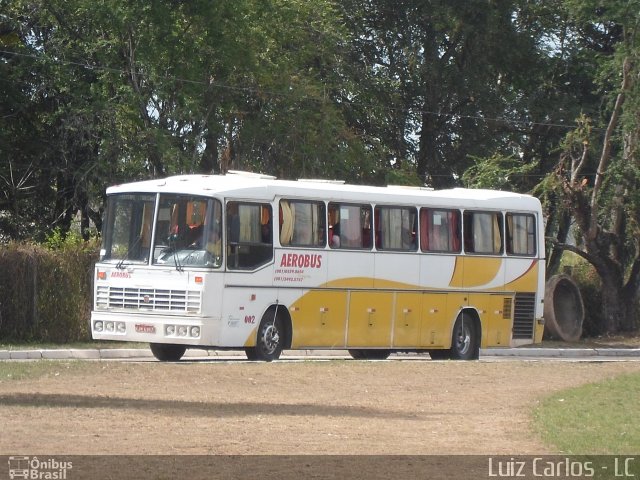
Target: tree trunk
x,y
555,255
617,309
209,159
618,302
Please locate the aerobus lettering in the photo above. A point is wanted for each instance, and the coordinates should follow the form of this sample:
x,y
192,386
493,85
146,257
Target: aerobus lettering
x,y
120,274
301,260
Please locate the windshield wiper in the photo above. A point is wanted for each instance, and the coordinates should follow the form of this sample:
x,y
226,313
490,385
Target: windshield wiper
x,y
174,246
120,265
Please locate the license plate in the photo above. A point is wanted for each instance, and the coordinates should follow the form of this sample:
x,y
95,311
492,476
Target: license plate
x,y
142,328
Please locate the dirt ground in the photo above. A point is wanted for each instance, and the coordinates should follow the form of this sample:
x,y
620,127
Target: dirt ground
x,y
304,407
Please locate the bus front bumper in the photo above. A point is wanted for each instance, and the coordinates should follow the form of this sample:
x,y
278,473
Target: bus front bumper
x,y
131,327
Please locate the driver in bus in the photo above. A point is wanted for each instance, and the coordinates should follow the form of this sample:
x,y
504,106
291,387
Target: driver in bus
x,y
214,245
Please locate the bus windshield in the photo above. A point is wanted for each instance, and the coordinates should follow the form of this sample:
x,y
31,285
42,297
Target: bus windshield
x,y
186,230
127,233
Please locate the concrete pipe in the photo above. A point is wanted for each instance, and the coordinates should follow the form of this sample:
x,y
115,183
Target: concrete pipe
x,y
563,309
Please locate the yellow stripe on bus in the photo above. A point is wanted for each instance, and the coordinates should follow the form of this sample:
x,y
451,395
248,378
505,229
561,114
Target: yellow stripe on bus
x,y
474,271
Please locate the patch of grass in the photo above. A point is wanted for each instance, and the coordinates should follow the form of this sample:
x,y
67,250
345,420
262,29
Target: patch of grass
x,y
598,418
10,371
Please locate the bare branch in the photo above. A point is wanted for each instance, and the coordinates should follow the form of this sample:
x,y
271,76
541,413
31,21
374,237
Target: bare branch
x,y
572,248
606,149
576,166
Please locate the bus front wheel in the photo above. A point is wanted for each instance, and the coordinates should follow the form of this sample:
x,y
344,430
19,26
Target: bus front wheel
x,y
270,340
167,352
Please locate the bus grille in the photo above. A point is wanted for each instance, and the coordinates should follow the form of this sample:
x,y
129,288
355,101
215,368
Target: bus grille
x,y
523,319
153,299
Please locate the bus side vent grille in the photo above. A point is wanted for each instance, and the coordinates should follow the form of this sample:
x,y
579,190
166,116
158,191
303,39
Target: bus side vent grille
x,y
523,321
506,308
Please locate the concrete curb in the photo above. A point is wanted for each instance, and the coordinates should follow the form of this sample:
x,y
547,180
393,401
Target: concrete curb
x,y
561,352
124,353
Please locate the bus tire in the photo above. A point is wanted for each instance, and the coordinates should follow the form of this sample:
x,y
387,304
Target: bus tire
x,y
270,340
362,354
464,341
166,352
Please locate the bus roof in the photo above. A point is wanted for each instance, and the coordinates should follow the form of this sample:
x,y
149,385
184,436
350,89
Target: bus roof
x,y
248,186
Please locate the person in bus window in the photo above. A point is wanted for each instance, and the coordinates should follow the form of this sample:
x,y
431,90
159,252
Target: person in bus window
x,y
214,245
334,227
335,236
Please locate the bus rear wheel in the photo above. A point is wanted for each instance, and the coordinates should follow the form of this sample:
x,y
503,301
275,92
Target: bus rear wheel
x,y
167,352
364,354
464,342
270,341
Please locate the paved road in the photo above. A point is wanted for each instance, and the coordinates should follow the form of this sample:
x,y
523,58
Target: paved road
x,y
494,354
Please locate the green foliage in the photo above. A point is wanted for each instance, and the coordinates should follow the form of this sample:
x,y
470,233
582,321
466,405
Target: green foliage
x,y
58,240
96,93
403,175
498,172
594,418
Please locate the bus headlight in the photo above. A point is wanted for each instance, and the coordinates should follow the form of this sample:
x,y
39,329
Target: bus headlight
x,y
110,327
170,330
98,326
195,332
121,327
182,331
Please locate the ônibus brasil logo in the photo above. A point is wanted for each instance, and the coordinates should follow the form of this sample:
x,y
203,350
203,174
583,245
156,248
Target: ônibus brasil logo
x,y
37,469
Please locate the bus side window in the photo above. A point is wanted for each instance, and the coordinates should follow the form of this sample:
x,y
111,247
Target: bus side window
x,y
249,235
440,230
395,228
521,234
483,232
350,226
302,223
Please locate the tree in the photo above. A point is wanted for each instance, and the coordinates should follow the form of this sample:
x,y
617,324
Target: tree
x,y
441,83
599,177
98,93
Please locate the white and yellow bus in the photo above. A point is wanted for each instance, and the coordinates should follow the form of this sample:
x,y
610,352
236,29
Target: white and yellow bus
x,y
245,261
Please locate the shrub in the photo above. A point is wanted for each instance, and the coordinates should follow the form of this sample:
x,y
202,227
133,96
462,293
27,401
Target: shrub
x,y
46,292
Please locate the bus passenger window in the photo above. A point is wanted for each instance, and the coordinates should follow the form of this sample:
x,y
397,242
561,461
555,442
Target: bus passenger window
x,y
249,235
521,234
483,232
396,228
302,223
440,230
349,226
